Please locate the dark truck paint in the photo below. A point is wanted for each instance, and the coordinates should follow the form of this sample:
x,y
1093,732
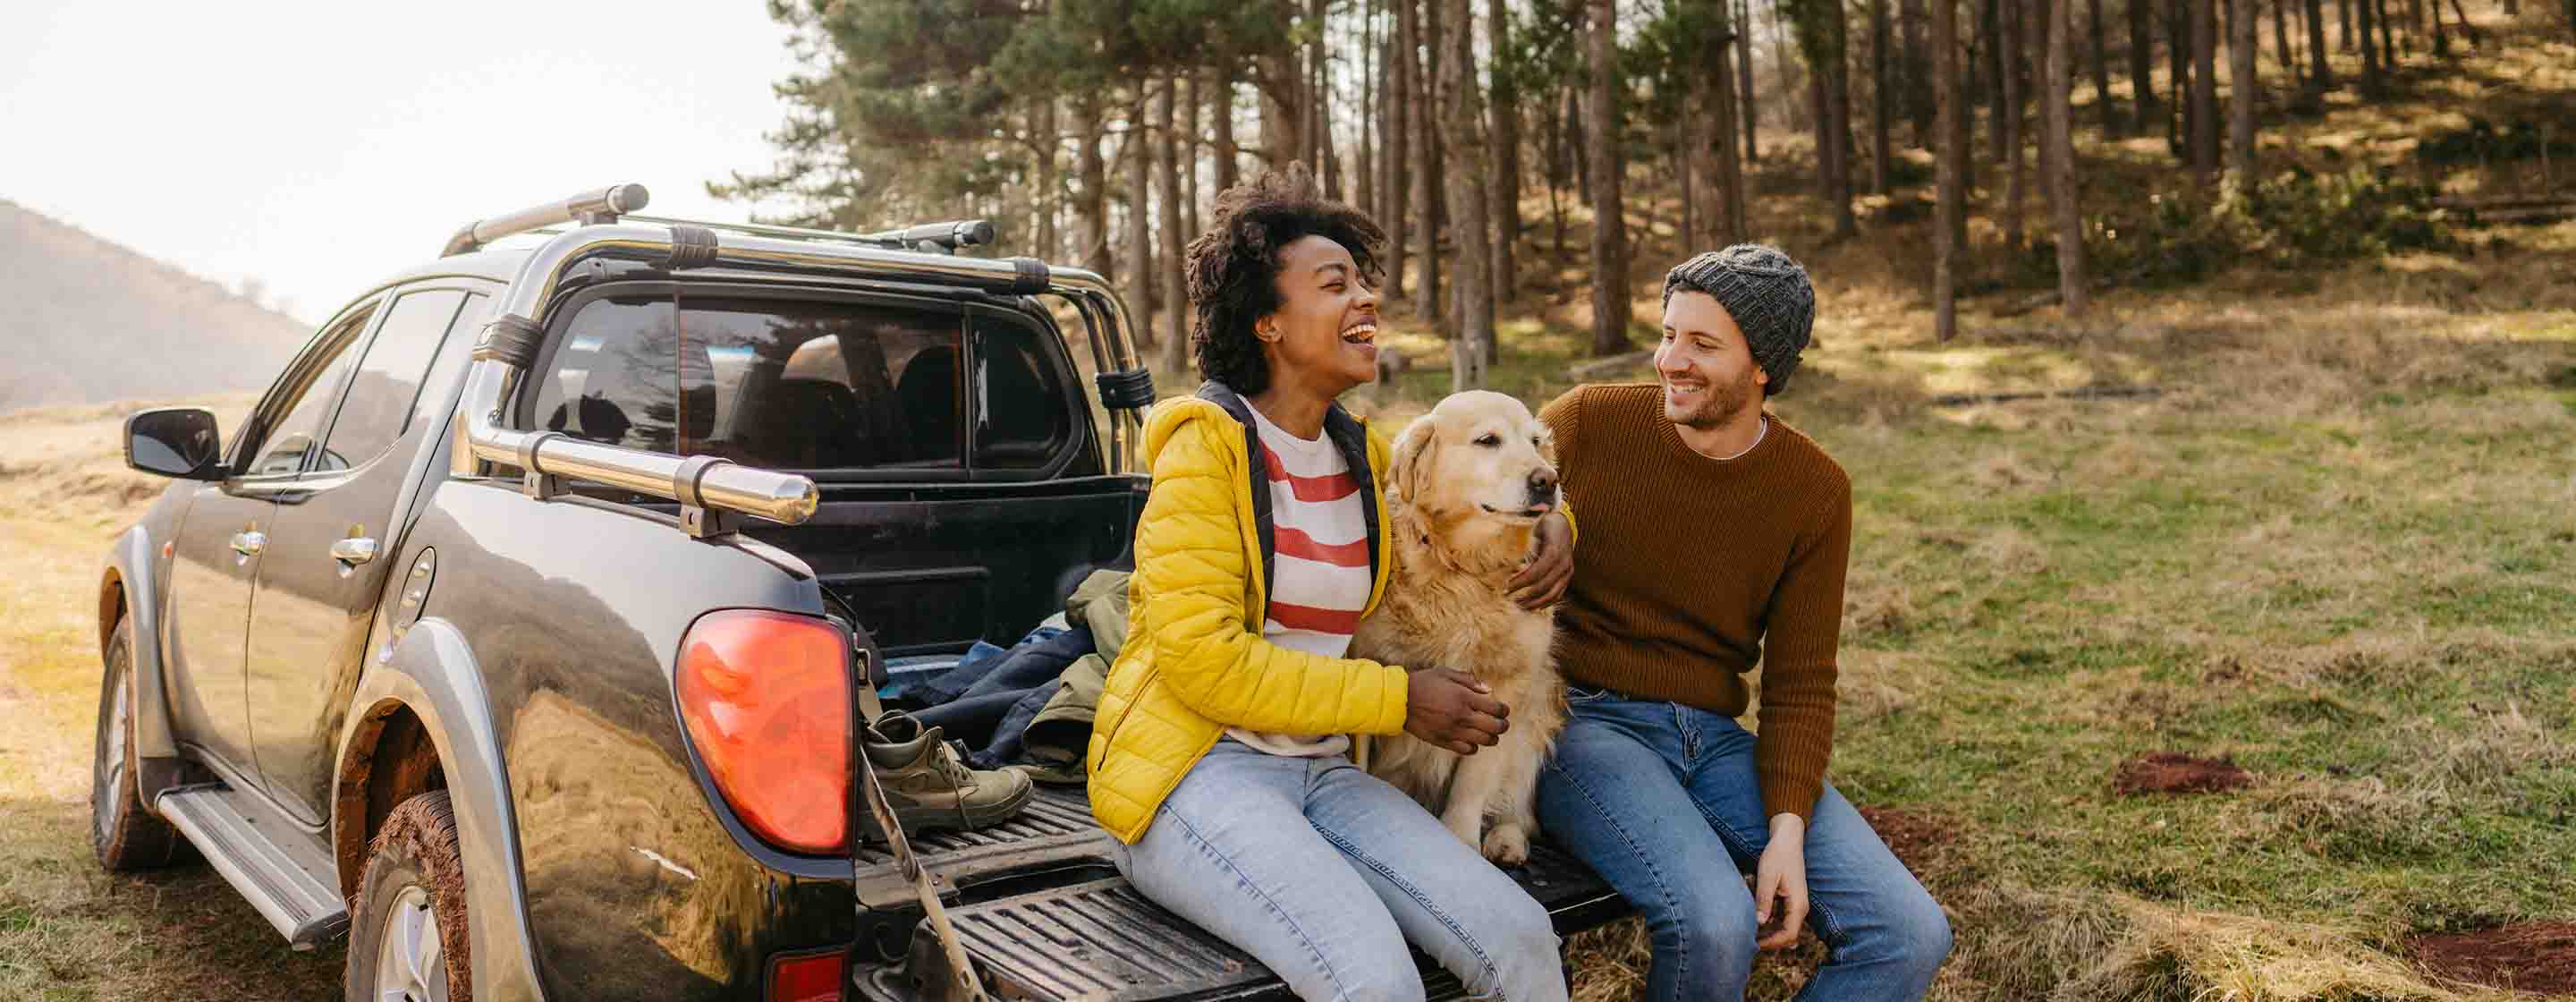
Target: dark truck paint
x,y
321,632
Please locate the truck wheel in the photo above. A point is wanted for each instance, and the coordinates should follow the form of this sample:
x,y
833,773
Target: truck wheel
x,y
123,833
407,932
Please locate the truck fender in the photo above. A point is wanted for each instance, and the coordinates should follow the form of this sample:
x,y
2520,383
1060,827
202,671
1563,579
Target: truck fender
x,y
131,566
432,673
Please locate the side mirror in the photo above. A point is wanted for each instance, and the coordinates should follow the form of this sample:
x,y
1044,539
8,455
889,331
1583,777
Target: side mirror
x,y
174,442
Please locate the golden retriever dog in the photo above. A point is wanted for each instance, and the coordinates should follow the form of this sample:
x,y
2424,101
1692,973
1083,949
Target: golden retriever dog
x,y
1466,485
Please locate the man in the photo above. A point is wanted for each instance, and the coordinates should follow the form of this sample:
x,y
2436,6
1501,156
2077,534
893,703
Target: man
x,y
1714,538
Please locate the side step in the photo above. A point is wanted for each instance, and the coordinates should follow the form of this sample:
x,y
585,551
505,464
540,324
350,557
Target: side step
x,y
275,864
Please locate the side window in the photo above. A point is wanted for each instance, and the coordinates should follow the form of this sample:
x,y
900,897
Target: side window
x,y
377,408
1020,416
299,408
765,382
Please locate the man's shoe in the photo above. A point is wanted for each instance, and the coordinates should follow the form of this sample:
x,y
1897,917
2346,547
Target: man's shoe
x,y
928,784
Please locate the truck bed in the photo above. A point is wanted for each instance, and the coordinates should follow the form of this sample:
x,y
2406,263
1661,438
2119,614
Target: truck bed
x,y
1046,918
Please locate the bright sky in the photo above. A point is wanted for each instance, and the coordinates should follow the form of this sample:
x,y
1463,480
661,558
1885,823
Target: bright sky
x,y
320,146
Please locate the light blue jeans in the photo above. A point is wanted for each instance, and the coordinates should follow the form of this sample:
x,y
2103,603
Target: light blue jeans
x,y
1323,873
1662,799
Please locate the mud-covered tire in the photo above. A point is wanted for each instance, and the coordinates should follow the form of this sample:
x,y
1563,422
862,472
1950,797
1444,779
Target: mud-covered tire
x,y
410,909
123,833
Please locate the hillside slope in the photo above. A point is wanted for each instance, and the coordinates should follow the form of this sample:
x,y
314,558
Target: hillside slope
x,y
88,321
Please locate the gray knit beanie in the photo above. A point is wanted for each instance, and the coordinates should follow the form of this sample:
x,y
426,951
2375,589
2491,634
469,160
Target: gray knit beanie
x,y
1765,292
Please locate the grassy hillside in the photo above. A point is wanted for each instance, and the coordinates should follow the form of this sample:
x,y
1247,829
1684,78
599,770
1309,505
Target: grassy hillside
x,y
89,321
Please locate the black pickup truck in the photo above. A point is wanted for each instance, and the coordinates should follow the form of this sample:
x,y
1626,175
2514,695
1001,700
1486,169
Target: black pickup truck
x,y
437,636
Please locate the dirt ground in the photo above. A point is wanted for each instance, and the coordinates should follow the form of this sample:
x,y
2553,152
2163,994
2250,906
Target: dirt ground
x,y
2540,957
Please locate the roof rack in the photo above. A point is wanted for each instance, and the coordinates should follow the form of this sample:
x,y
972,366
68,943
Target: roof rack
x,y
623,201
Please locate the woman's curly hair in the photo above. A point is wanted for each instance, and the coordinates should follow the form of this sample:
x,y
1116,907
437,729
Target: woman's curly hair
x,y
1233,268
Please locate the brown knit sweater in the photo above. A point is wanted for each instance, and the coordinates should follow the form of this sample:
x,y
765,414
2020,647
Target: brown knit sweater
x,y
1690,570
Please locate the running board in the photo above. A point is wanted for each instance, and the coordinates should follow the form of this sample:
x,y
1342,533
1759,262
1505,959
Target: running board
x,y
278,867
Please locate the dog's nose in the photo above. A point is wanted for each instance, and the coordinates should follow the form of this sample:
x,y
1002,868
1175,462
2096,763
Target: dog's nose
x,y
1542,483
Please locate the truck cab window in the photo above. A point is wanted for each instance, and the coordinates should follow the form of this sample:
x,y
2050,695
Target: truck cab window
x,y
765,382
379,402
299,407
1023,417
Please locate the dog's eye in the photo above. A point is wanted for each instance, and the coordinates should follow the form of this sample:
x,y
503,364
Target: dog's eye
x,y
1489,440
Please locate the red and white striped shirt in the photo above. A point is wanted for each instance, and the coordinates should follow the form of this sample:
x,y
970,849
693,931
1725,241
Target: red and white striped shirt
x,y
1321,560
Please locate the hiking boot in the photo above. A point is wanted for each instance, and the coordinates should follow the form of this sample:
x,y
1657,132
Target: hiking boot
x,y
928,784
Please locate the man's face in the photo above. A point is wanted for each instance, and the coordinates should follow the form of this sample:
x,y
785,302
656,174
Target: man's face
x,y
1707,372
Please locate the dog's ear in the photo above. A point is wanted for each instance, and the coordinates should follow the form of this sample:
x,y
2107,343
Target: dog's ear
x,y
1410,465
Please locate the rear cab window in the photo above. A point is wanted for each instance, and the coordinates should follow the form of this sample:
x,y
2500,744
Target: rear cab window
x,y
845,386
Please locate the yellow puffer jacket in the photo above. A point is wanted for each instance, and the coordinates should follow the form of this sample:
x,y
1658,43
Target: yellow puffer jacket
x,y
1195,663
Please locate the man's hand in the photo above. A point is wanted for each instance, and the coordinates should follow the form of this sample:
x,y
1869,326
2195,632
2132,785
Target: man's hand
x,y
1453,710
1780,884
1549,564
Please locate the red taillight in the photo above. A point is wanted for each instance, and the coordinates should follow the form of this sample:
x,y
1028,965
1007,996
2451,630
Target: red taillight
x,y
813,977
766,697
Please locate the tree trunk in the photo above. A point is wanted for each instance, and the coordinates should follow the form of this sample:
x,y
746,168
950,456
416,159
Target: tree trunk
x,y
2008,38
1504,153
1734,227
1093,206
2320,76
1050,190
2063,203
1914,71
1949,170
2179,131
1176,297
2387,33
2281,39
1319,101
2241,89
2204,88
1610,310
2100,57
2343,36
1398,119
2142,67
1992,60
1838,93
1468,226
1577,149
1138,152
2361,18
1281,82
1365,178
1190,157
1228,155
1557,175
1879,81
1744,74
1428,181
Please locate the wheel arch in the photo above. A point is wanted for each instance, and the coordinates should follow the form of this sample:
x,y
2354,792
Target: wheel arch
x,y
127,590
428,720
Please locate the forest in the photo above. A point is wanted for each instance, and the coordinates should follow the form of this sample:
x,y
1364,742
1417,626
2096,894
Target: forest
x,y
2058,144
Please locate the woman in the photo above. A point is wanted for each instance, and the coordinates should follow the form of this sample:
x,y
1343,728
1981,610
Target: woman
x,y
1219,755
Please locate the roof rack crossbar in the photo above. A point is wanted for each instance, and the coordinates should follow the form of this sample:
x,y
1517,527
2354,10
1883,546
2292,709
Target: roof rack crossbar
x,y
602,206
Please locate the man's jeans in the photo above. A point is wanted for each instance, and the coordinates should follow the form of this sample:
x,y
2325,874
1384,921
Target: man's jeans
x,y
1631,776
1322,872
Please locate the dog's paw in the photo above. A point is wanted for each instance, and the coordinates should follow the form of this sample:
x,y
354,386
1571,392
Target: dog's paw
x,y
1507,845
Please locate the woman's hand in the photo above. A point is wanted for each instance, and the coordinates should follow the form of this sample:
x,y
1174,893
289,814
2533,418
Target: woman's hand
x,y
1780,884
1549,565
1453,710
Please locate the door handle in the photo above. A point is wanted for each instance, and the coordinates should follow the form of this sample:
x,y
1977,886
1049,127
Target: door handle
x,y
354,551
249,543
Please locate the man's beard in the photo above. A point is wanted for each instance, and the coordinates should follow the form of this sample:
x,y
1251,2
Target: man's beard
x,y
1719,404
